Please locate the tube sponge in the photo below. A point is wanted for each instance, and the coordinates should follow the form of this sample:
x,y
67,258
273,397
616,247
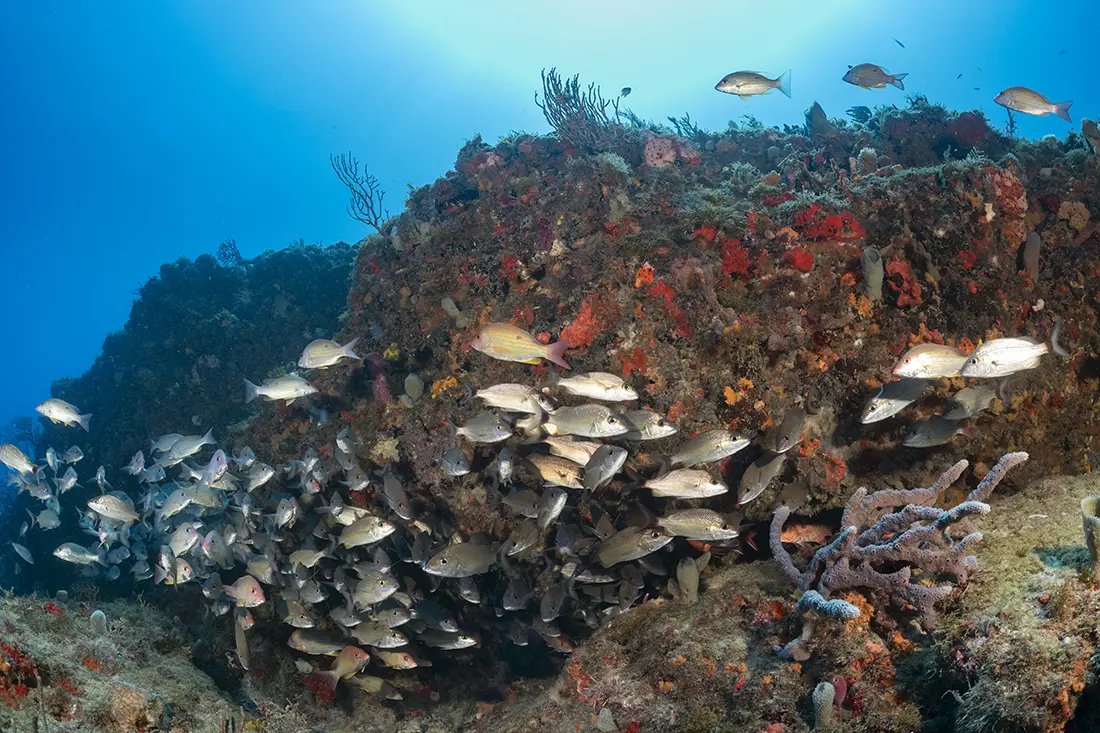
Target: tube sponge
x,y
99,623
823,698
1090,519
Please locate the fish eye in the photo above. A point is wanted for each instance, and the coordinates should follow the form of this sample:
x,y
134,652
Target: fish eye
x,y
724,526
442,561
613,420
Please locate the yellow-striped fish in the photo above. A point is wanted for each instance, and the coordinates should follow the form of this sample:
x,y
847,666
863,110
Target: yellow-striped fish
x,y
324,353
506,342
930,361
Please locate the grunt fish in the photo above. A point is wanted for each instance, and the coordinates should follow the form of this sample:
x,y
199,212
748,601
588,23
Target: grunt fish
x,y
485,427
930,361
646,425
515,398
589,421
698,524
461,560
934,431
630,544
686,483
557,471
758,476
289,388
508,343
324,353
713,445
605,463
891,399
969,401
598,386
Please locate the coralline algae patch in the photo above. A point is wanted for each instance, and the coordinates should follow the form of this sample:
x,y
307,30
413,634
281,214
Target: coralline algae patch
x,y
57,673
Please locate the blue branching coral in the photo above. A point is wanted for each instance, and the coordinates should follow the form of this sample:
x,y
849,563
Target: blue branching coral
x,y
891,540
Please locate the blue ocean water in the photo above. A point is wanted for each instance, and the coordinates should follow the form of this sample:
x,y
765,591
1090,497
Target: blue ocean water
x,y
138,133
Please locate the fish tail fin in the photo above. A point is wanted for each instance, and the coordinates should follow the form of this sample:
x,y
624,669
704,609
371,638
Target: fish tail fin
x,y
208,439
251,391
349,349
555,353
783,83
159,574
1055,334
83,421
896,80
1062,110
34,519
101,556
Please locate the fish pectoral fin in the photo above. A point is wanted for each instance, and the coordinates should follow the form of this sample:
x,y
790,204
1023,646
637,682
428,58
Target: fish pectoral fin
x,y
532,360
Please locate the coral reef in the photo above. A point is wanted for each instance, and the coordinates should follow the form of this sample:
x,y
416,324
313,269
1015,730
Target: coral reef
x,y
730,278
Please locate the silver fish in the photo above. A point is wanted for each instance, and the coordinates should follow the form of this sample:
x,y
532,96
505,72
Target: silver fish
x,y
687,579
713,445
605,463
73,454
1004,357
598,386
366,531
557,471
186,447
758,476
969,401
111,507
590,421
74,553
15,459
891,399
550,506
686,483
164,442
566,446
258,475
749,83
630,544
646,425
934,431
485,427
1031,102
394,494
523,502
455,462
515,398
525,535
23,552
324,353
461,560
698,524
61,412
930,361
789,433
289,388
